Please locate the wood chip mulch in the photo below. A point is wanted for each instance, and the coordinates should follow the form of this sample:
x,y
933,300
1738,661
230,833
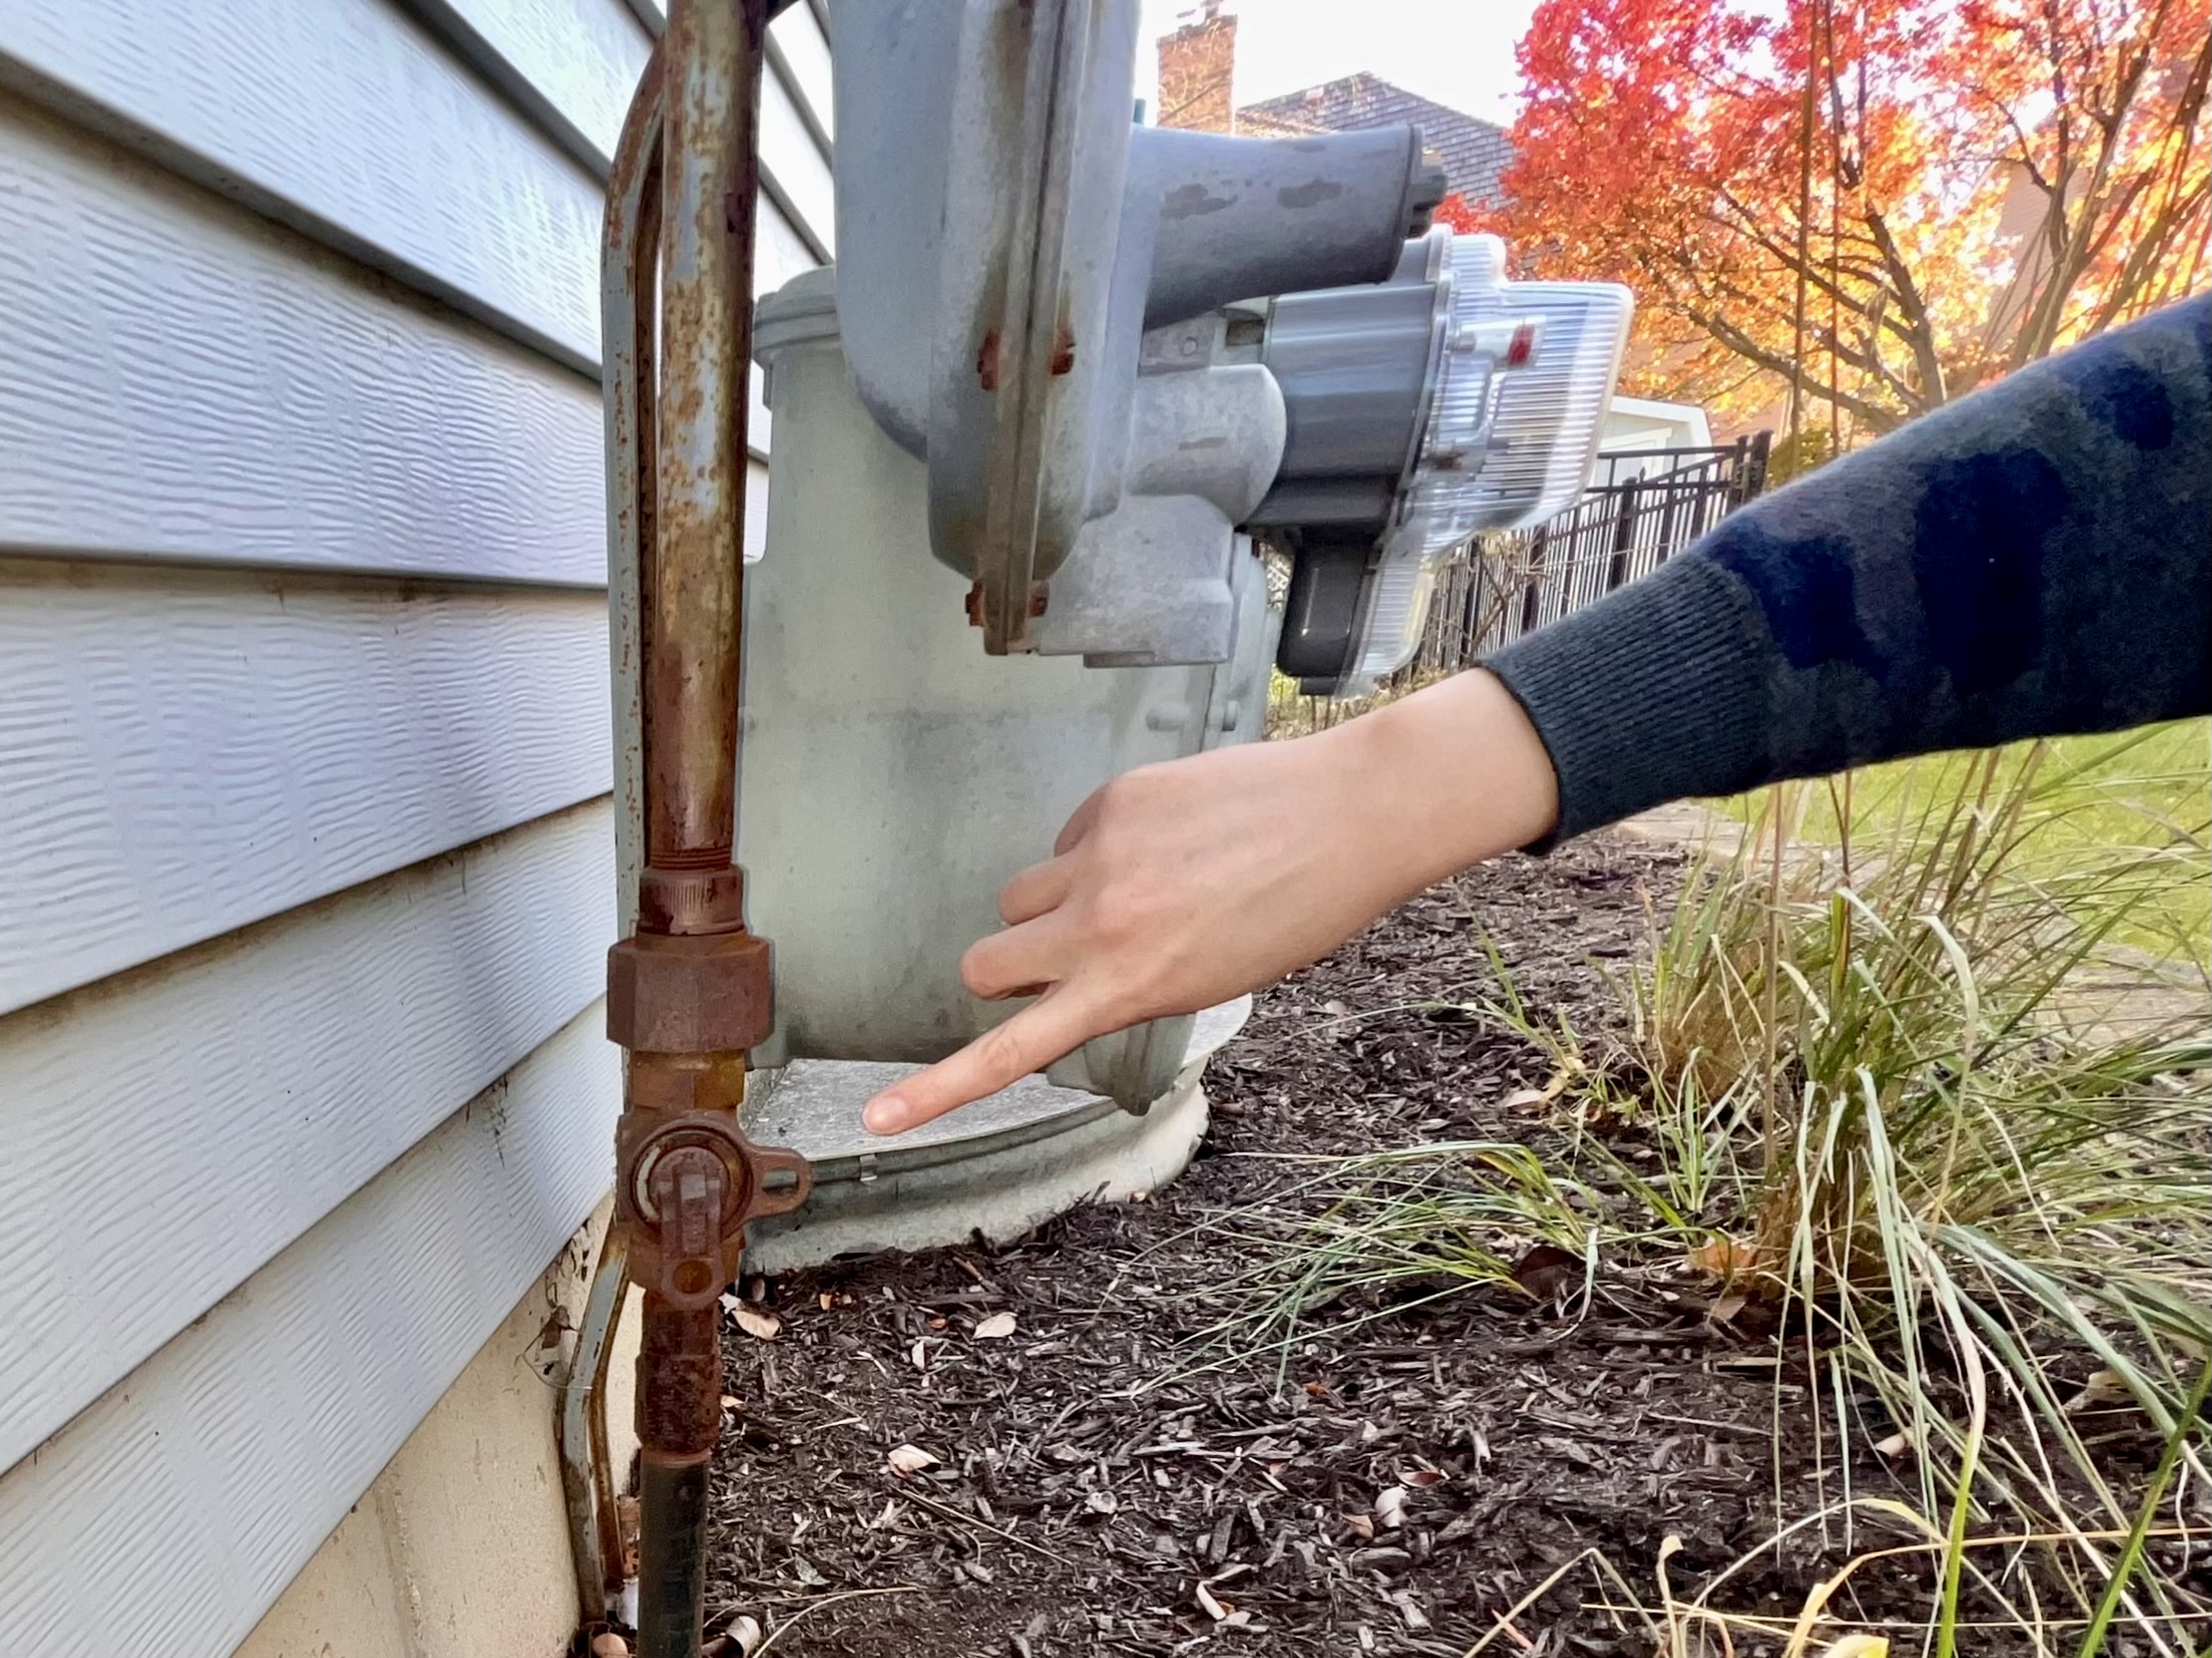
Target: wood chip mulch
x,y
1394,1486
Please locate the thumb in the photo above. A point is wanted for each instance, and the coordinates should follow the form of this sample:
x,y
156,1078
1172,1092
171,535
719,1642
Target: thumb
x,y
1049,1027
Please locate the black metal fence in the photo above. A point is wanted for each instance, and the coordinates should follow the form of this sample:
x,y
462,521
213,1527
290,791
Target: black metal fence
x,y
1644,507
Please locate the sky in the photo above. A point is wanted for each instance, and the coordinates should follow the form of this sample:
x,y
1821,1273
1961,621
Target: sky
x,y
1457,52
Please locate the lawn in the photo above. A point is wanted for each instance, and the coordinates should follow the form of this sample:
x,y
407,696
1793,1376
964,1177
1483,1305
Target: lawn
x,y
2100,799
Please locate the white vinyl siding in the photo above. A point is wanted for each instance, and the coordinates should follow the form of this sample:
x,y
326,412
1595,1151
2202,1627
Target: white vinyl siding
x,y
306,864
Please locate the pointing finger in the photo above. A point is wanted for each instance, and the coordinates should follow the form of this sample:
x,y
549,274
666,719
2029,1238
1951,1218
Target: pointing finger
x,y
1030,1041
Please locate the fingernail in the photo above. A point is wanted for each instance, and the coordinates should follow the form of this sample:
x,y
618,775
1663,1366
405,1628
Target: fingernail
x,y
886,1115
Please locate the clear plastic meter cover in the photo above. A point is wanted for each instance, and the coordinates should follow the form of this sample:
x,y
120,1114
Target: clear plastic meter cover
x,y
1505,445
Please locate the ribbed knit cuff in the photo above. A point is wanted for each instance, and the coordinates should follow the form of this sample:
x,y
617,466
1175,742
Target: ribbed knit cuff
x,y
1654,693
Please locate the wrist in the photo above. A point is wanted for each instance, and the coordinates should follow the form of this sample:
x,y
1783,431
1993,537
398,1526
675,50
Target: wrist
x,y
1446,777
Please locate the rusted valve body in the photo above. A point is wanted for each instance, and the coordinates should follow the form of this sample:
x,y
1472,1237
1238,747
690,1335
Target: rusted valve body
x,y
687,1179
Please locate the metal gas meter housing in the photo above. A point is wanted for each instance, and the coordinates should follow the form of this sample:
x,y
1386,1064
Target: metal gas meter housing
x,y
1006,237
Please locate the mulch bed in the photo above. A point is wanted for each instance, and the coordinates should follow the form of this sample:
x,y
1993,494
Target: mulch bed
x,y
1097,1490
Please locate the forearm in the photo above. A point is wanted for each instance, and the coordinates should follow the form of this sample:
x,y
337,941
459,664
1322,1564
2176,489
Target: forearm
x,y
2034,561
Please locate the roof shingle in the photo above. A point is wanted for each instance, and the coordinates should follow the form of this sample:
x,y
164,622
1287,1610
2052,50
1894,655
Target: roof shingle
x,y
1475,152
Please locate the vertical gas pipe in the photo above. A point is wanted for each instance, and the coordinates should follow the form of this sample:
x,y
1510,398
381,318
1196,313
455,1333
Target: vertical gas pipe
x,y
687,991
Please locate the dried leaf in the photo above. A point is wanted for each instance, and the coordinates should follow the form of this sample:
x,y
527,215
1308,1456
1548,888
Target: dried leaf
x,y
730,1401
762,1326
909,1459
1101,1503
1360,1527
1419,1479
1726,1308
826,1300
1546,1270
1860,1646
997,1327
1896,1445
919,1353
1725,1258
1522,1099
2103,1389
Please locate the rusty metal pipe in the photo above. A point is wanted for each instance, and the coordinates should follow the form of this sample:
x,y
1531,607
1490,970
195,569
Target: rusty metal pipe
x,y
687,991
672,1561
679,1418
694,588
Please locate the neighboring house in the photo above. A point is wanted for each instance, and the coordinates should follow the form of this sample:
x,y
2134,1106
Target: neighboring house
x,y
1475,152
1637,424
1198,75
306,860
1197,72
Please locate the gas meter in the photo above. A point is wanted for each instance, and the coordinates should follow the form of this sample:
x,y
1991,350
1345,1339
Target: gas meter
x,y
1069,380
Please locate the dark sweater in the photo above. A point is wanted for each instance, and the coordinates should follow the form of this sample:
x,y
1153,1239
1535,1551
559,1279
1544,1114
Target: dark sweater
x,y
2032,561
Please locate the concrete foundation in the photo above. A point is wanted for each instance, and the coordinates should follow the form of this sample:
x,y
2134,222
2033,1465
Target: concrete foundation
x,y
460,1549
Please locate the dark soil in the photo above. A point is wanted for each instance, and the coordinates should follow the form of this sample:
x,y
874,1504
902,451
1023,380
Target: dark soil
x,y
1096,1489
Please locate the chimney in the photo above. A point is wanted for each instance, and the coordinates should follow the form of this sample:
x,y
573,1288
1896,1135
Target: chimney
x,y
1198,63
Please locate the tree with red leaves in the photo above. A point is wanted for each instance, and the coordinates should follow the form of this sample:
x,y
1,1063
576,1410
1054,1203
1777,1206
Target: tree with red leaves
x,y
1455,215
1872,205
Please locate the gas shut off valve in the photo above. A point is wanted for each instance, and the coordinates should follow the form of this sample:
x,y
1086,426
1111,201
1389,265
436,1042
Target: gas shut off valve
x,y
1093,369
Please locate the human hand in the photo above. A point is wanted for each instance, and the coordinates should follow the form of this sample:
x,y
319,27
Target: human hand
x,y
1177,887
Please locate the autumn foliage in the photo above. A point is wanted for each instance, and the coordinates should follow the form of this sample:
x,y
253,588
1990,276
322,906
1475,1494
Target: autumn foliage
x,y
1881,203
1455,214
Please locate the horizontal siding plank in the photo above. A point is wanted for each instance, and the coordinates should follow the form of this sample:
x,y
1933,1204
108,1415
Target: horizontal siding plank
x,y
166,1133
184,753
349,121
797,37
180,1505
182,380
571,64
794,173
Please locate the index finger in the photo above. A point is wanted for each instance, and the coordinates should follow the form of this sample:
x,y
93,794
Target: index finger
x,y
1054,1025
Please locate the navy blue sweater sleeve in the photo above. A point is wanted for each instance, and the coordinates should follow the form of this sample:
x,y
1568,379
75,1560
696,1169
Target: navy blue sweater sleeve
x,y
2032,561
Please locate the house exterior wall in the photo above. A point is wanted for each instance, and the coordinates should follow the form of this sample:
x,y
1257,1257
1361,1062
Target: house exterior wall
x,y
460,1547
306,867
